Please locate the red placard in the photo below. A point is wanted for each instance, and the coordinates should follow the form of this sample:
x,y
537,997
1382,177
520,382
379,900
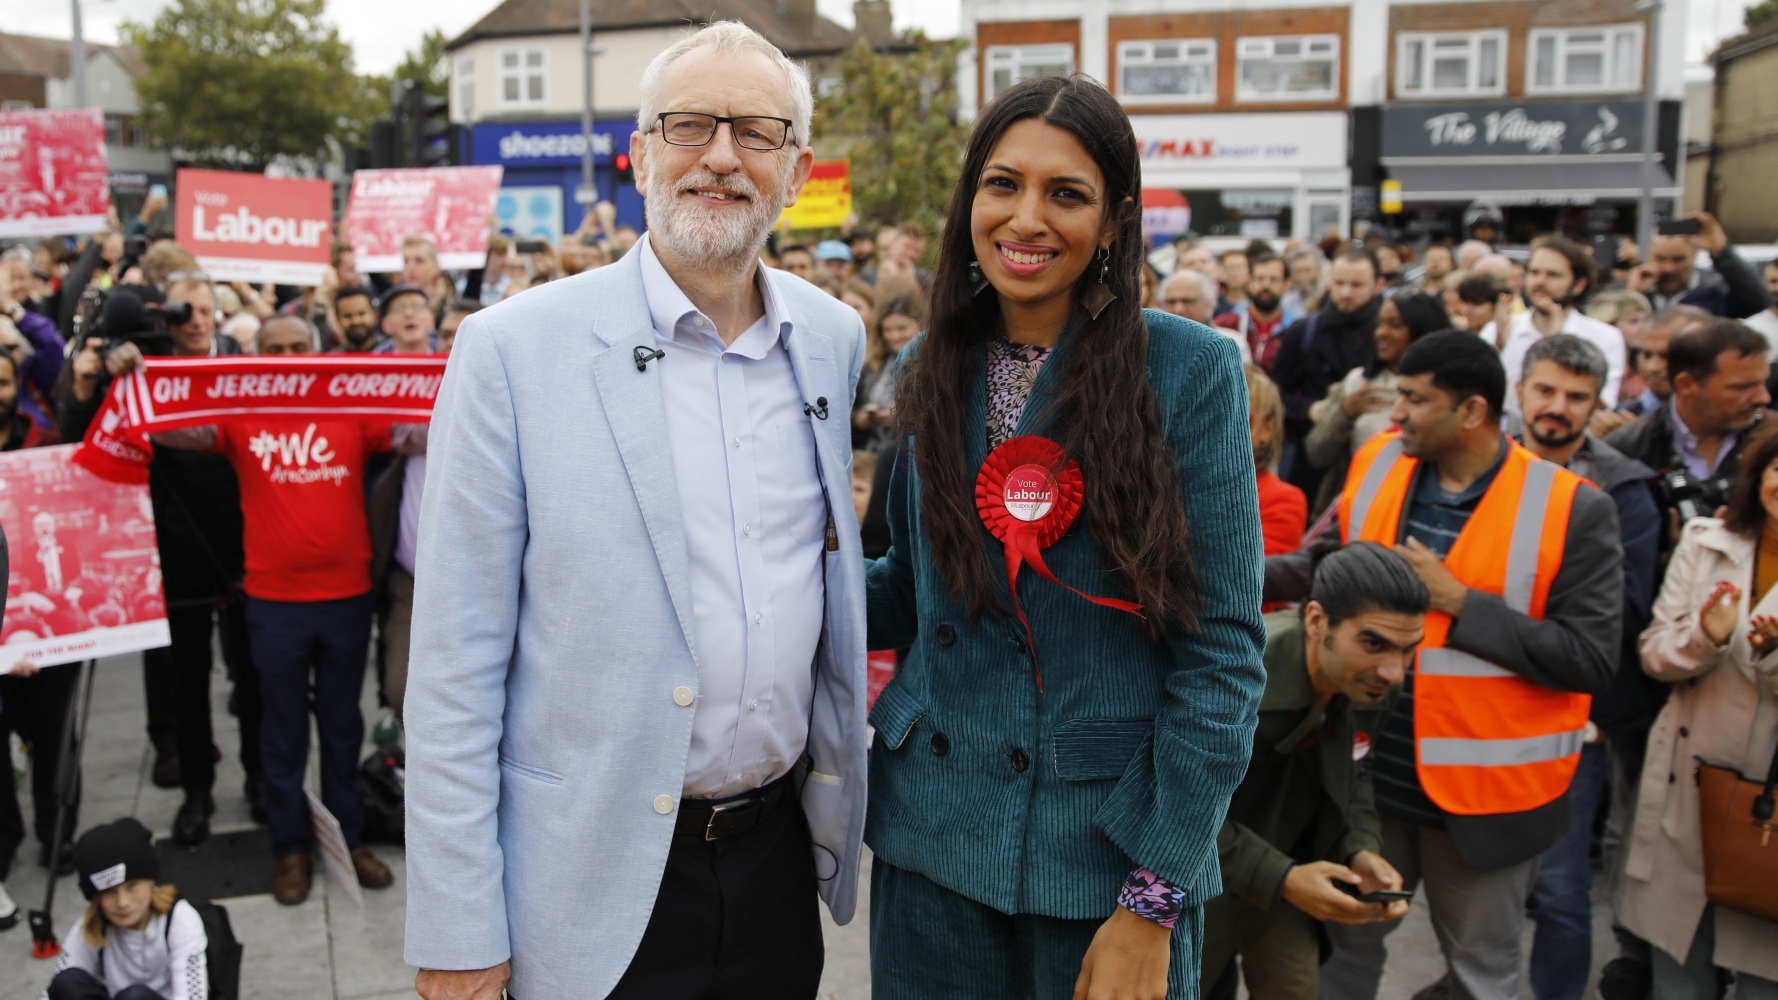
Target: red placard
x,y
250,227
85,575
53,175
450,206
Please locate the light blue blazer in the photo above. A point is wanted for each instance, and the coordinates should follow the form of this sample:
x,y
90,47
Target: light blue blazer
x,y
553,621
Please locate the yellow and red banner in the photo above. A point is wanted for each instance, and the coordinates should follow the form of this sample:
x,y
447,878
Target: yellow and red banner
x,y
826,199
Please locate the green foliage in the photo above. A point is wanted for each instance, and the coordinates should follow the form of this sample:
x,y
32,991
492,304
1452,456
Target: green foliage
x,y
240,83
430,65
1760,13
899,112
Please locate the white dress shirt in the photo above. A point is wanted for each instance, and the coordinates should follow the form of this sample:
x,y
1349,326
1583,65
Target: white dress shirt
x,y
751,497
1601,335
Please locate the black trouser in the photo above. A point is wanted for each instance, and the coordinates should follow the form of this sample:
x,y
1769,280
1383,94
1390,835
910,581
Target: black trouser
x,y
177,678
36,708
79,984
735,918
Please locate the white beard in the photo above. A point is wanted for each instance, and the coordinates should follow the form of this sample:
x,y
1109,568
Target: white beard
x,y
690,232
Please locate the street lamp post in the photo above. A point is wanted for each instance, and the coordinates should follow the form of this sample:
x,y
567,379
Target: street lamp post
x,y
1651,126
77,58
588,194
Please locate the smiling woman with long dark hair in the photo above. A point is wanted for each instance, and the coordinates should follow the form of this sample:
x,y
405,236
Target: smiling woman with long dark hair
x,y
1075,567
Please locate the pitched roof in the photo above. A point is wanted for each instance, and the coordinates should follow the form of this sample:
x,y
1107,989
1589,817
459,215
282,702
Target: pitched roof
x,y
1764,34
768,17
48,57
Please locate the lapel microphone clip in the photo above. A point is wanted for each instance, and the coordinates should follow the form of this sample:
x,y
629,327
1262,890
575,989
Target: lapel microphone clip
x,y
818,409
644,355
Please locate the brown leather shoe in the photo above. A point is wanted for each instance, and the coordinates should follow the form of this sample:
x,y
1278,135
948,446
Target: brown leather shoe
x,y
372,874
290,879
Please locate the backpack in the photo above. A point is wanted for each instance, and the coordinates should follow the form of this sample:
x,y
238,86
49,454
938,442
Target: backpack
x,y
222,953
383,776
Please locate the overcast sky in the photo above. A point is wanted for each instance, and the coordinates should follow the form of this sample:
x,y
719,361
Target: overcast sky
x,y
381,32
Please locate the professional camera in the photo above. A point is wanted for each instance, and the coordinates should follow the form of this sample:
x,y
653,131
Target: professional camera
x,y
1691,496
133,314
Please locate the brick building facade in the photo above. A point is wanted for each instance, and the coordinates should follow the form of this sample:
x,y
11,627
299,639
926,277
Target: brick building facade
x,y
1283,117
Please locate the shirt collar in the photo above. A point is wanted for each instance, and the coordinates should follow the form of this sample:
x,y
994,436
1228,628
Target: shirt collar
x,y
676,319
1432,492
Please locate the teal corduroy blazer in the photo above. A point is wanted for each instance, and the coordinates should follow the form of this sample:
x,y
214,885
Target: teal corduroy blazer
x,y
1041,803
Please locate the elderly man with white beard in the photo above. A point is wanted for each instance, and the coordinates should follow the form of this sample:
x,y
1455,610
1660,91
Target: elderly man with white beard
x,y
635,703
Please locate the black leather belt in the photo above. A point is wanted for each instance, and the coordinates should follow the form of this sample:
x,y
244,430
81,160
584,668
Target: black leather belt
x,y
720,819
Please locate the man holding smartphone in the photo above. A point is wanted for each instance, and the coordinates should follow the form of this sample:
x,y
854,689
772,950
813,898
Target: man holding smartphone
x,y
1733,291
1302,842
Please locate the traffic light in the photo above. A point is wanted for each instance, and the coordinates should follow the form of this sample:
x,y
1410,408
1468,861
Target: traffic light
x,y
625,174
385,144
432,131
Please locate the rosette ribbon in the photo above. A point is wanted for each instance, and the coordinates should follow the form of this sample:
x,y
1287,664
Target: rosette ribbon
x,y
1028,493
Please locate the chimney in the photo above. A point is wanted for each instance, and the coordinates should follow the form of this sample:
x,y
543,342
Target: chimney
x,y
873,21
801,14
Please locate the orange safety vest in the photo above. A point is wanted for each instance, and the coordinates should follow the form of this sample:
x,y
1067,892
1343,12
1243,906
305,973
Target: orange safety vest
x,y
1487,740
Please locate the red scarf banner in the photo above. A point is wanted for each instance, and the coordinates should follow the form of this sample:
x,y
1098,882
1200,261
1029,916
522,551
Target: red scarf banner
x,y
164,394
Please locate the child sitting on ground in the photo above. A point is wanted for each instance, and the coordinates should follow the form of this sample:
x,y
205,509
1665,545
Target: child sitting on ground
x,y
137,941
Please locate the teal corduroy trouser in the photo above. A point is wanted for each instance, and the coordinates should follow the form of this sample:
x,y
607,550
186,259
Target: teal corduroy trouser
x,y
929,943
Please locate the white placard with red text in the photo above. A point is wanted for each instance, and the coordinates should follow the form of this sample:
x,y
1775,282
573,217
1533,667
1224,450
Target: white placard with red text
x,y
250,227
85,575
336,857
450,206
53,174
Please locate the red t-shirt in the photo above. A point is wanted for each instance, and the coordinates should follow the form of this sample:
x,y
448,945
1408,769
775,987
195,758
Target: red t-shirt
x,y
302,497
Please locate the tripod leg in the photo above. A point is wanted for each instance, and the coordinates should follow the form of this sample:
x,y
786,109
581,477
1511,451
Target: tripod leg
x,y
43,937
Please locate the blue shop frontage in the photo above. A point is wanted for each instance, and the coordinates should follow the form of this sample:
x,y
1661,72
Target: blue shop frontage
x,y
542,161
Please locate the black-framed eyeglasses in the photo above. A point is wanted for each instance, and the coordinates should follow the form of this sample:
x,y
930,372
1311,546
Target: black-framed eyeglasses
x,y
691,128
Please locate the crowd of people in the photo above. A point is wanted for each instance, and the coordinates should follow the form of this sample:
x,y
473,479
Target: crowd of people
x,y
1518,513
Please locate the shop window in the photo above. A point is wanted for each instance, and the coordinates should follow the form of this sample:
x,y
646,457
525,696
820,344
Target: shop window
x,y
1585,60
1450,65
1177,71
16,105
521,76
1005,65
466,88
1288,68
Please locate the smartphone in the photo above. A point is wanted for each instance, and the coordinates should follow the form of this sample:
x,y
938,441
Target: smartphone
x,y
1677,227
531,246
1605,253
1380,896
157,190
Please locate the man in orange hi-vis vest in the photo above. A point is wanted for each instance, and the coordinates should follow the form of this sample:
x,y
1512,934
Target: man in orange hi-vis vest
x,y
1524,564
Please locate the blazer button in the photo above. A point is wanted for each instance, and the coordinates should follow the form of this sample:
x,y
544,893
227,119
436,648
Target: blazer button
x,y
1020,759
941,744
663,804
946,635
682,696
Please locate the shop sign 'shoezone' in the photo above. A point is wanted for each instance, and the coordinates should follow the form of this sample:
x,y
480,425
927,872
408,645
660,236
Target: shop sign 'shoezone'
x,y
1186,145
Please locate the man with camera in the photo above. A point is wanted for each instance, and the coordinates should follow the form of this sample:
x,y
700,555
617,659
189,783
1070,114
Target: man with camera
x,y
1734,290
197,514
1719,370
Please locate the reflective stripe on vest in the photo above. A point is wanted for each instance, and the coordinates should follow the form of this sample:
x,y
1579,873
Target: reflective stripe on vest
x,y
1487,739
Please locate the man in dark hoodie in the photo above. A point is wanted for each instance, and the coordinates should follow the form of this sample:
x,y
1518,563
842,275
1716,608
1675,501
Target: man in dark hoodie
x,y
1320,349
1563,378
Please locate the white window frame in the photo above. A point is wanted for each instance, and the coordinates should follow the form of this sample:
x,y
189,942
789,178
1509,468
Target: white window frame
x,y
1429,43
1141,52
1566,45
466,88
1018,56
525,72
1265,47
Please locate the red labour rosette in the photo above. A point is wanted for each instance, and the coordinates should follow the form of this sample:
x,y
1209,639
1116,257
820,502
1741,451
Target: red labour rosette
x,y
1028,493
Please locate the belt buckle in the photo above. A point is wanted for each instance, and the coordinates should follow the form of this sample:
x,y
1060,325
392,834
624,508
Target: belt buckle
x,y
717,810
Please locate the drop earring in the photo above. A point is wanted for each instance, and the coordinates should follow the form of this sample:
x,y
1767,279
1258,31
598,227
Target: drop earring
x,y
1099,295
977,280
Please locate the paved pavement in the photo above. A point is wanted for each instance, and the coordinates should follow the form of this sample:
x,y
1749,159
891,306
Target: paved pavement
x,y
329,949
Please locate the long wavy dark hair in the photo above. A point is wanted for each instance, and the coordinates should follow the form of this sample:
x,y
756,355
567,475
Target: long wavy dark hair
x,y
1106,415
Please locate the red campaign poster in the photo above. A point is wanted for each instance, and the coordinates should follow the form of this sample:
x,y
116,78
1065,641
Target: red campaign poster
x,y
879,671
53,174
250,227
85,576
451,206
